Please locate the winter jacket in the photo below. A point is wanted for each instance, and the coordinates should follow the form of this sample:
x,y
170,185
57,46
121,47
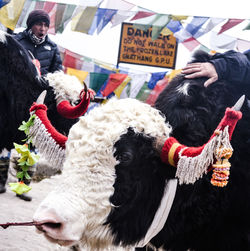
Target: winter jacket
x,y
233,66
47,53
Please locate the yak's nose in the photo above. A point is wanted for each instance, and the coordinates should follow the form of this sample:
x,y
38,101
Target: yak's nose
x,y
54,231
56,227
58,219
48,226
49,223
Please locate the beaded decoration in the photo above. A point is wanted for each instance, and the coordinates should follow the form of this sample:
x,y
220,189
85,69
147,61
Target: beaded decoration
x,y
221,169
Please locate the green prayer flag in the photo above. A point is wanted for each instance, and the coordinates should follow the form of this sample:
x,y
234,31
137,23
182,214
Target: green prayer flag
x,y
143,93
67,15
161,20
97,80
59,15
204,48
247,27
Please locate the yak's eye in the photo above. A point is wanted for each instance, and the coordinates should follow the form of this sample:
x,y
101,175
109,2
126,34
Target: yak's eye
x,y
125,158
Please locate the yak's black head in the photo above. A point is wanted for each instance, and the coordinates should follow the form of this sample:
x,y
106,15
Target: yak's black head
x,y
193,110
138,188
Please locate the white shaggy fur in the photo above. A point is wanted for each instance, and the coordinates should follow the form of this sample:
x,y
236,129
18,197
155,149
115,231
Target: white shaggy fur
x,y
66,87
81,201
3,36
184,89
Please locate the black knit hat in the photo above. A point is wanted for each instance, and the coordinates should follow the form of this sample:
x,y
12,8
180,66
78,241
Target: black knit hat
x,y
37,16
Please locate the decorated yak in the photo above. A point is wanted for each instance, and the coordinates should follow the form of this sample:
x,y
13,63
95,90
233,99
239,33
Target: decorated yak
x,y
21,85
127,182
205,217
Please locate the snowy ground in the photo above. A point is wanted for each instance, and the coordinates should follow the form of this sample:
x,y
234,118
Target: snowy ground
x,y
13,209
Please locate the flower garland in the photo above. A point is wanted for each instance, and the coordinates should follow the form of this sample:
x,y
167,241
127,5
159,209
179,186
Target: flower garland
x,y
26,159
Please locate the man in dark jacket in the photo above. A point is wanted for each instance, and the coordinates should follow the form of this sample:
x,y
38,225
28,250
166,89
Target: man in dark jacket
x,y
35,39
231,65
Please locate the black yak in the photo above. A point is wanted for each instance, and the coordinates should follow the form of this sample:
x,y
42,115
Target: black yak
x,y
20,87
205,217
116,187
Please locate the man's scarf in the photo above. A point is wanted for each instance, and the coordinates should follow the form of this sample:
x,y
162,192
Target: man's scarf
x,y
34,38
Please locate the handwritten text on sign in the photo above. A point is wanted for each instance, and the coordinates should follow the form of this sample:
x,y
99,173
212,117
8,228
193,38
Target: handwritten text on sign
x,y
137,47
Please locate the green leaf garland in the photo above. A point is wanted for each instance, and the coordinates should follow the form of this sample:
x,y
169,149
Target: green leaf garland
x,y
26,159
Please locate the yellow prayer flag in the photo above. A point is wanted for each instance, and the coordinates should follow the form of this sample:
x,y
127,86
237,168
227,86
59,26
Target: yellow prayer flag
x,y
75,20
173,74
178,17
120,88
166,31
106,66
10,13
81,75
83,20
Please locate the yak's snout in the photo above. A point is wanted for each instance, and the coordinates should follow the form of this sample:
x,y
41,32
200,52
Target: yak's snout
x,y
55,229
49,226
59,222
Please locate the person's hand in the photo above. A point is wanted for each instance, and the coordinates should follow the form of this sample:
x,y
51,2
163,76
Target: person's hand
x,y
91,93
197,70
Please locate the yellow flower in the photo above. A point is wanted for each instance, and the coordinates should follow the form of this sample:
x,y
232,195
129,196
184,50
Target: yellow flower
x,y
19,187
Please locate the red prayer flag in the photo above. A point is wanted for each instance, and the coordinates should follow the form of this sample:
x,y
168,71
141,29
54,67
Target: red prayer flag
x,y
229,24
160,85
48,6
115,79
72,60
191,43
142,14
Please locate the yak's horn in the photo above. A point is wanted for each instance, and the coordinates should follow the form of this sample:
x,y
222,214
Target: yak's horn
x,y
49,142
239,103
41,98
73,112
193,162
